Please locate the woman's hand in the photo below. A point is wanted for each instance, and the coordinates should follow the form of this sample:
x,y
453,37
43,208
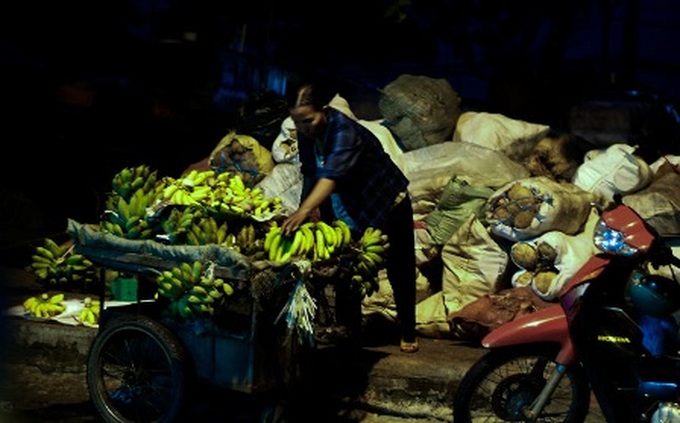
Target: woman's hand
x,y
321,191
299,216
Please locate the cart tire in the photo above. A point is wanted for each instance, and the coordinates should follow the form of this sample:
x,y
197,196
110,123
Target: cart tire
x,y
136,371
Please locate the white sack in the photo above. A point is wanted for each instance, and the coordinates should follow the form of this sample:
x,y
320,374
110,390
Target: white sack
x,y
284,181
285,146
667,159
512,137
559,206
426,249
573,251
382,300
384,135
432,317
425,193
659,203
478,165
473,265
614,170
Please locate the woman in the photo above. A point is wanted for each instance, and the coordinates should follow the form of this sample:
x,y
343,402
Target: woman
x,y
345,163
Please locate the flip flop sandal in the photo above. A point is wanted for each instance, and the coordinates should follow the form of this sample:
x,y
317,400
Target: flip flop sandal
x,y
409,347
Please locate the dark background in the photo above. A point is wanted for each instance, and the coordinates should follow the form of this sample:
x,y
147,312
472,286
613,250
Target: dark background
x,y
92,86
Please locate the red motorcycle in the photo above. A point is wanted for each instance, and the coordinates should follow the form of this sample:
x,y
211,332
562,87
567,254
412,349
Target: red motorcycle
x,y
613,333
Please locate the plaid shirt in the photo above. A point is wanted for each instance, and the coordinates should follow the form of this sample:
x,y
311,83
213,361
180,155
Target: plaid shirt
x,y
367,180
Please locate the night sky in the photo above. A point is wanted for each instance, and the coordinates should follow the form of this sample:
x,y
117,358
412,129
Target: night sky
x,y
92,86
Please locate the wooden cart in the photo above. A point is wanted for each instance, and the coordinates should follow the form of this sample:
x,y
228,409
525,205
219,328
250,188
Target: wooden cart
x,y
140,364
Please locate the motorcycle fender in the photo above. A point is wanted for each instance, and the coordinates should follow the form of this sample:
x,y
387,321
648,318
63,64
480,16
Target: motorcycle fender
x,y
545,325
589,271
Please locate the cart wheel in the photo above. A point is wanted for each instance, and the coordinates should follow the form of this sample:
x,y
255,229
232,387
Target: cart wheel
x,y
136,371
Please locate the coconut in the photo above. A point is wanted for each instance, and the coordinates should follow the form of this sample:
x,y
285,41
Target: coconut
x,y
524,255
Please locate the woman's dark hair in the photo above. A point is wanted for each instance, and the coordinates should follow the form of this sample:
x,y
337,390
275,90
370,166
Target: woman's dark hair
x,y
313,93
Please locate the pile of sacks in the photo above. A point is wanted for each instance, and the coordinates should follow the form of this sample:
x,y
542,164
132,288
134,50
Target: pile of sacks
x,y
503,208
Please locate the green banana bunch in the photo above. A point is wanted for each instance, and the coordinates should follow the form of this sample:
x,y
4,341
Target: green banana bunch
x,y
308,247
185,310
196,178
58,264
281,248
130,179
46,259
374,245
195,188
190,216
177,193
170,285
130,218
247,241
90,312
370,259
344,232
79,268
365,285
206,231
316,241
199,185
372,236
337,236
321,252
330,239
231,197
171,231
273,232
192,290
44,306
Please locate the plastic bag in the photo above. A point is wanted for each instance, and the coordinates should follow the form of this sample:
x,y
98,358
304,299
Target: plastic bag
x,y
285,147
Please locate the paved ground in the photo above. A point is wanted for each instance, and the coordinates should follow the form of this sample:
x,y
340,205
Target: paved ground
x,y
48,378
43,380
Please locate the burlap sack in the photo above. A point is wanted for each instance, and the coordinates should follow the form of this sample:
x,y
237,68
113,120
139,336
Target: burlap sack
x,y
490,311
419,110
243,155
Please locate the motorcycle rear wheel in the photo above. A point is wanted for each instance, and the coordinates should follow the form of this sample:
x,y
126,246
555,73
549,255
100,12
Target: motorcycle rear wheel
x,y
504,381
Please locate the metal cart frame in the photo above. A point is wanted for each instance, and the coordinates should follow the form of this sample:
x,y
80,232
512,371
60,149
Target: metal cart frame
x,y
139,363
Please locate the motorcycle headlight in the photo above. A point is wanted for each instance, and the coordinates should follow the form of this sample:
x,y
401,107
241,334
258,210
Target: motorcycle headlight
x,y
611,241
